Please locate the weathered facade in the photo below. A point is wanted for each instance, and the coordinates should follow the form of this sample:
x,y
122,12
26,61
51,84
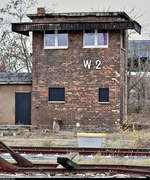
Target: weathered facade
x,y
75,83
12,84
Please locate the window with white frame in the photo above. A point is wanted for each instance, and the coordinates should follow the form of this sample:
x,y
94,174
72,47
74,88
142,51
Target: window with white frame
x,y
56,39
95,39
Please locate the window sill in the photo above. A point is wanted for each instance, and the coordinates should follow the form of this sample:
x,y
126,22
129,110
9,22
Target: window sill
x,y
55,47
95,47
54,102
103,102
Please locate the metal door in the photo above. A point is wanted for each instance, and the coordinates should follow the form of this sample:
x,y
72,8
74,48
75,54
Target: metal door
x,y
23,108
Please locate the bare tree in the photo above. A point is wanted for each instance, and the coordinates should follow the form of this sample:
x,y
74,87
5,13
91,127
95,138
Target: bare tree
x,y
138,68
138,77
15,49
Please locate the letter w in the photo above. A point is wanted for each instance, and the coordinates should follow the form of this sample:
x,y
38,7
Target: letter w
x,y
87,63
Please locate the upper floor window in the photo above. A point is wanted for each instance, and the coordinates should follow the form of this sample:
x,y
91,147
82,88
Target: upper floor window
x,y
56,40
95,39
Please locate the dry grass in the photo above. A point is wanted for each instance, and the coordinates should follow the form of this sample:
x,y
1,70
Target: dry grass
x,y
129,139
99,160
119,139
35,142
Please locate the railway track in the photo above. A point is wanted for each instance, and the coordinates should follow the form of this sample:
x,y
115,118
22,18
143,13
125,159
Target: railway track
x,y
87,168
81,151
80,168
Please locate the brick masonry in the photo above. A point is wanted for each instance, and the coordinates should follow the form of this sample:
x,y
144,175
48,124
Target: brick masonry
x,y
64,68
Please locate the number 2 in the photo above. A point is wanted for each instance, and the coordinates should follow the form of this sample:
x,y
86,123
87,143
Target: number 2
x,y
98,64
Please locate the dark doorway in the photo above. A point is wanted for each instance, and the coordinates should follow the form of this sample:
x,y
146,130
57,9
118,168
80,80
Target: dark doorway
x,y
23,108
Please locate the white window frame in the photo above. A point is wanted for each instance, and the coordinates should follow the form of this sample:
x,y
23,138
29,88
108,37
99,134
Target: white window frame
x,y
56,42
95,41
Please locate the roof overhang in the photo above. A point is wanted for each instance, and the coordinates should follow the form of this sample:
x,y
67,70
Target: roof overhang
x,y
25,28
120,14
15,78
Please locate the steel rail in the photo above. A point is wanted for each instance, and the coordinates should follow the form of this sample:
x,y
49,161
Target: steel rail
x,y
93,166
90,168
81,151
82,148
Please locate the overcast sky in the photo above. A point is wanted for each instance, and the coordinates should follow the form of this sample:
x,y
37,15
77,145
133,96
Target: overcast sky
x,y
141,8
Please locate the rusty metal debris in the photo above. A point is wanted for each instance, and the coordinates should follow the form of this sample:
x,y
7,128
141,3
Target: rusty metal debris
x,y
22,162
6,166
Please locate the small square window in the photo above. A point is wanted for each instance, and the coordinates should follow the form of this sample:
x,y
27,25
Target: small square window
x,y
103,94
57,94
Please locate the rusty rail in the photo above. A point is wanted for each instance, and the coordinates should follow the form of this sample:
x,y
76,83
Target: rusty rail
x,y
90,168
81,151
70,166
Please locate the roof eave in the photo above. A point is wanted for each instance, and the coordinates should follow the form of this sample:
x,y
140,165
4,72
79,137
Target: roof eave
x,y
24,28
137,27
121,14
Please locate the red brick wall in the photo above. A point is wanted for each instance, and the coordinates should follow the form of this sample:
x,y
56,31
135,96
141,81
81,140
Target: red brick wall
x,y
64,68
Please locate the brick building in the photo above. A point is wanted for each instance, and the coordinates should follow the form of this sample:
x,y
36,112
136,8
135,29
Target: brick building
x,y
79,67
